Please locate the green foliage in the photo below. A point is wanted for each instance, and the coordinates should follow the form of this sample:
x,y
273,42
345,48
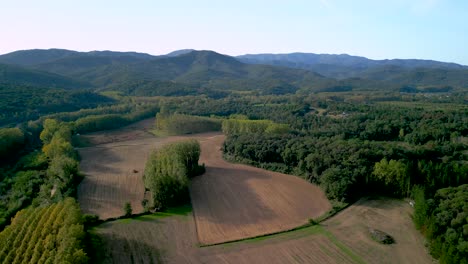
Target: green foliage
x,y
445,221
127,208
420,207
11,141
62,172
56,137
235,126
22,103
394,174
180,124
168,170
93,123
52,234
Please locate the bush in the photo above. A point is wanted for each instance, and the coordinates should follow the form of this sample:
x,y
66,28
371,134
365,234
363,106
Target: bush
x,y
127,209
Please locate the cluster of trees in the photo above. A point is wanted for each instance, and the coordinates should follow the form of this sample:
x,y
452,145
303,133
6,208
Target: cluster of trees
x,y
347,168
179,124
50,234
11,142
91,123
20,184
241,126
168,171
62,174
354,149
40,178
443,217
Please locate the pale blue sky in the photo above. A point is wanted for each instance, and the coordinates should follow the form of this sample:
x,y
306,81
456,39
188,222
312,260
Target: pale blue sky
x,y
423,29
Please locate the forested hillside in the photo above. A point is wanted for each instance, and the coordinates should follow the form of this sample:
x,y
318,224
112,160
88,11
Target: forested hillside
x,y
25,102
10,74
396,129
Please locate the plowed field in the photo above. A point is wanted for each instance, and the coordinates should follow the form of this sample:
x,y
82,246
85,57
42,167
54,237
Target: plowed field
x,y
234,201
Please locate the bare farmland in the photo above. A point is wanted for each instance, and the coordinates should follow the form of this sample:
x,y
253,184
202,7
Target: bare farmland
x,y
391,216
113,169
234,201
172,239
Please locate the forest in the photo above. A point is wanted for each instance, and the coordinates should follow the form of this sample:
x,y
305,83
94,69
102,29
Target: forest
x,y
350,144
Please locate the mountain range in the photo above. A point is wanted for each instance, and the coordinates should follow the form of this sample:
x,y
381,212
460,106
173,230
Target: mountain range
x,y
192,72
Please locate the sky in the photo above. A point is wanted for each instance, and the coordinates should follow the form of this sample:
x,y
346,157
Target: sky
x,y
377,29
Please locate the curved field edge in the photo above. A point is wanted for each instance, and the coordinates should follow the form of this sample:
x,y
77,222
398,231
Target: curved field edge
x,y
235,201
169,237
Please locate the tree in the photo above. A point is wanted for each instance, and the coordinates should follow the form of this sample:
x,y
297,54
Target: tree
x,y
168,170
394,174
127,209
11,141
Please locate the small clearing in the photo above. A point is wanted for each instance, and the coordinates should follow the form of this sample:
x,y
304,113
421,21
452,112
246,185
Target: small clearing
x,y
388,215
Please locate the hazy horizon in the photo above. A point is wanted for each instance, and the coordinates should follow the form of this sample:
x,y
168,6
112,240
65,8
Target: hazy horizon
x,y
422,29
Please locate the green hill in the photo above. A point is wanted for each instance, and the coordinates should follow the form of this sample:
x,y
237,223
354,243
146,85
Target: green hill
x,y
18,75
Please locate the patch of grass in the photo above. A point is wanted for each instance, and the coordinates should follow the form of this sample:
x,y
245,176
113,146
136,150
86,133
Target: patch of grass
x,y
180,210
124,220
298,232
183,210
302,231
342,246
337,207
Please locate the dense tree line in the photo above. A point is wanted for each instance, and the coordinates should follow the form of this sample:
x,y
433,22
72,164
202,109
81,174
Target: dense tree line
x,y
91,123
168,171
50,234
443,217
180,124
20,184
353,149
242,126
41,178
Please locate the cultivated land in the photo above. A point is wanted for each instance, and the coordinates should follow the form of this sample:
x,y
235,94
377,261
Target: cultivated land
x,y
171,238
231,202
389,215
234,201
114,167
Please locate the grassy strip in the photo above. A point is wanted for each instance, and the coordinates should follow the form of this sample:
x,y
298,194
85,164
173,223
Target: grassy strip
x,y
341,246
300,231
183,210
337,207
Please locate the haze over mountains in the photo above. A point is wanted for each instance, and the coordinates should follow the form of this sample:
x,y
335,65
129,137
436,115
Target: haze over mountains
x,y
188,71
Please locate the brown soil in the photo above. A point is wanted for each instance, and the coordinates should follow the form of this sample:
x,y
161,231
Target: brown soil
x,y
173,239
234,201
114,168
138,130
388,215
